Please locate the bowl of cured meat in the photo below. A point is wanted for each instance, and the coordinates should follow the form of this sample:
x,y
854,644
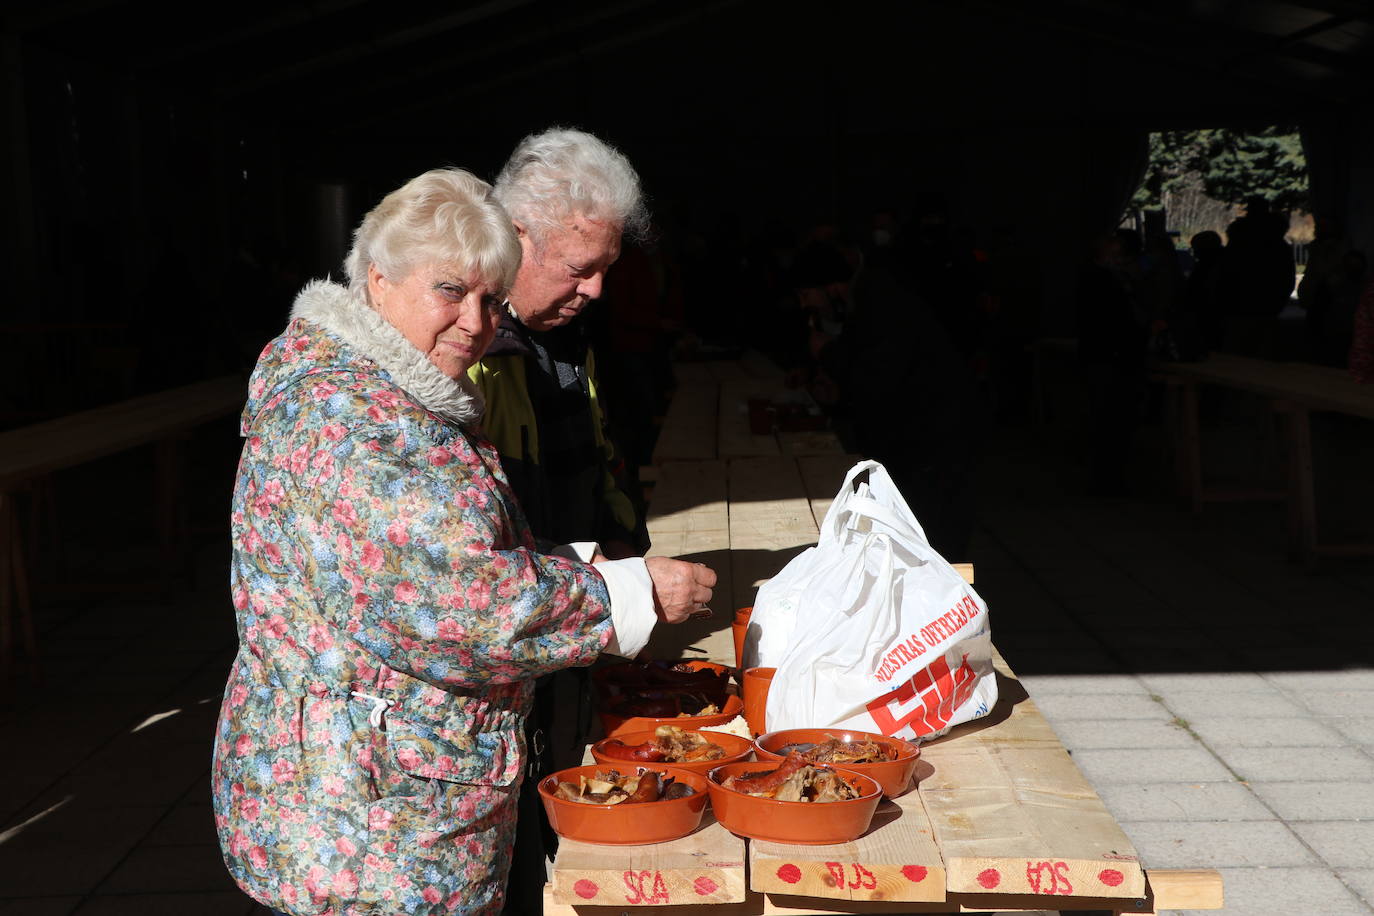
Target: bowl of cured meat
x,y
890,761
690,750
792,801
694,683
639,715
624,804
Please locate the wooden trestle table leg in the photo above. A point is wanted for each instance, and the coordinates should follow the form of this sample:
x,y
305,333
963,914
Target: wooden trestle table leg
x,y
1302,507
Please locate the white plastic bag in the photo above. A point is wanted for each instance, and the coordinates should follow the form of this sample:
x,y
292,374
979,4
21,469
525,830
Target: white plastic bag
x,y
872,629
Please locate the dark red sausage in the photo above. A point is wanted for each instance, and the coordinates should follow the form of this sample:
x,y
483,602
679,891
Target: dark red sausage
x,y
648,752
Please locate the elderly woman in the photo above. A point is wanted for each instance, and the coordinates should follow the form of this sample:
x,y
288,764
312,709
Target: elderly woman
x,y
392,610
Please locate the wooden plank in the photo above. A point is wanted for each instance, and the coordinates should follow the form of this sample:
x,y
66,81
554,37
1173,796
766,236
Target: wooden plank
x,y
770,521
756,365
729,370
41,448
1182,889
1013,814
705,867
1318,389
822,476
688,519
810,442
896,860
690,426
734,438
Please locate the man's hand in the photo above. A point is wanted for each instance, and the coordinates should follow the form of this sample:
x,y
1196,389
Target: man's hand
x,y
680,588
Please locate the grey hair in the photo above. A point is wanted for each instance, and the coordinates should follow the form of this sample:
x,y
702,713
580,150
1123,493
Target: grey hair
x,y
561,173
443,216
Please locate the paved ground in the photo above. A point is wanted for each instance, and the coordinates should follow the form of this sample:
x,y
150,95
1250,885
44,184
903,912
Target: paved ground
x,y
1219,697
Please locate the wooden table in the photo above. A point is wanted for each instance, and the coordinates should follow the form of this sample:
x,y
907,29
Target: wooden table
x,y
1001,818
1294,390
32,452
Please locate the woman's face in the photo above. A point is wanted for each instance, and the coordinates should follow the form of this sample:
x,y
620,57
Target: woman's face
x,y
446,314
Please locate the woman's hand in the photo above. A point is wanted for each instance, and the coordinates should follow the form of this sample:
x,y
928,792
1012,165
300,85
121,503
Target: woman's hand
x,y
680,588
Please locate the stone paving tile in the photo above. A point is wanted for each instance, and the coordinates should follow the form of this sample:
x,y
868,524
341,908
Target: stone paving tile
x,y
1044,685
1168,659
231,903
1167,685
1286,892
38,906
1211,844
1359,729
136,773
184,825
1343,844
1060,662
1208,704
1183,801
1121,733
1284,658
1124,767
1019,641
1306,682
1155,638
1265,732
162,869
1361,880
73,848
1338,702
1317,801
1327,764
1056,707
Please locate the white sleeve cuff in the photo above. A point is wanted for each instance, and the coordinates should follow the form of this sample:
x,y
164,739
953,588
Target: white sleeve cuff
x,y
632,605
577,550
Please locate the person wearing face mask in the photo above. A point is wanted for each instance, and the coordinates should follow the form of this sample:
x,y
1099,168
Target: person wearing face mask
x,y
392,608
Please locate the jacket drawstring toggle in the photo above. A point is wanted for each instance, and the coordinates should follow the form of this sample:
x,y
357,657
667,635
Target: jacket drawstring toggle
x,y
379,706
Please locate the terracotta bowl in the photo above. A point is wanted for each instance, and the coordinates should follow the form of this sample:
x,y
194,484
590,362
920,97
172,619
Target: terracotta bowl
x,y
804,823
735,747
613,683
616,725
624,825
893,775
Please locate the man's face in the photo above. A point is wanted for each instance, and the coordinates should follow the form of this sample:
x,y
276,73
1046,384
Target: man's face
x,y
553,286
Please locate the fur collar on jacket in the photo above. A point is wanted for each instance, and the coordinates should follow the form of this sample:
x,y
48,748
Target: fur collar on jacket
x,y
348,316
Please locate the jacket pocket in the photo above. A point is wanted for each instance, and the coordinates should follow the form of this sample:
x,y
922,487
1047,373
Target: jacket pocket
x,y
432,751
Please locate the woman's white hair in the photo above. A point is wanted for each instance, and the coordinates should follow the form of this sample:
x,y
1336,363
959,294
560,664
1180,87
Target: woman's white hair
x,y
561,173
445,216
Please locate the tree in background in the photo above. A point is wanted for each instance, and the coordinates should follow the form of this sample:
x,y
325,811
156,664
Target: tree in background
x,y
1198,177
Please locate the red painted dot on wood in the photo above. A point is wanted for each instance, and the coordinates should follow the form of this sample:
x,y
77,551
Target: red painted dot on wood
x,y
789,873
1110,877
704,886
586,889
989,878
915,873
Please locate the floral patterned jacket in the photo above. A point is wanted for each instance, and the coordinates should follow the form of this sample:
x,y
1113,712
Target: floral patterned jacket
x,y
392,616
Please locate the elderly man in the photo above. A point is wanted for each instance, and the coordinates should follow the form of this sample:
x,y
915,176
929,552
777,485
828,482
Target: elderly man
x,y
571,197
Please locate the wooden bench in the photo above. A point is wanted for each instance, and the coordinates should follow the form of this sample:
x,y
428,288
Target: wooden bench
x,y
33,452
1294,390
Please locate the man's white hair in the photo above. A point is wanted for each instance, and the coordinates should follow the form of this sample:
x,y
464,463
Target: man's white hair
x,y
560,174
